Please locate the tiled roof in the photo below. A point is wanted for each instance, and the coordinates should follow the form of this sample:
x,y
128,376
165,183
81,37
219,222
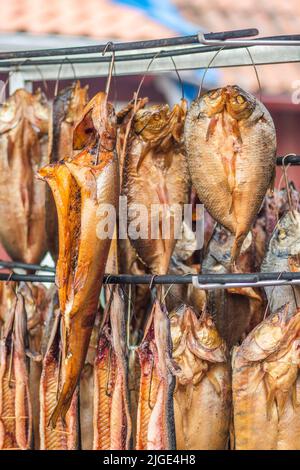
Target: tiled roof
x,y
101,19
275,17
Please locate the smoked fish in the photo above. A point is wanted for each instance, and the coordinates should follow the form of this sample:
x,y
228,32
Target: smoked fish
x,y
284,245
265,385
23,150
155,415
66,433
230,144
15,403
81,188
202,397
156,183
235,311
67,108
112,420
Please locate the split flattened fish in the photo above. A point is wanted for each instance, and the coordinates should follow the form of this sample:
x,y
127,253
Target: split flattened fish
x,y
81,188
231,151
112,420
284,246
67,108
66,433
156,183
38,303
202,397
265,377
15,404
155,416
23,150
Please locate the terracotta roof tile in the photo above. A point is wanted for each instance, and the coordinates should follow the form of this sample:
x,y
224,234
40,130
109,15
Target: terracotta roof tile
x,y
101,19
274,17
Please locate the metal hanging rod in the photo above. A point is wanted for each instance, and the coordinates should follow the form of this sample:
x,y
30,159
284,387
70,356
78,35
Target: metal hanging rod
x,y
128,46
26,266
203,281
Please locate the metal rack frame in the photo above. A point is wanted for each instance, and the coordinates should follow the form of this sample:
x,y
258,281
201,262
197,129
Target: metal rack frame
x,y
189,52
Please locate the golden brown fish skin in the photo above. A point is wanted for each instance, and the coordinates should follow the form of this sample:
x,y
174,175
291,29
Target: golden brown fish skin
x,y
155,416
15,404
65,435
23,409
80,187
86,392
155,172
283,246
7,393
235,311
231,151
112,420
67,108
265,374
39,303
23,141
202,398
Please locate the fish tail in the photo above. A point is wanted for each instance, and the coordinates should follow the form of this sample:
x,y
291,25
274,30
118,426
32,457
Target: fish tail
x,y
60,409
236,247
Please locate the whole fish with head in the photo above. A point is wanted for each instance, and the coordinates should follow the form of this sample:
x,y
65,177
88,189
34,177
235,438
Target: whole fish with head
x,y
284,246
230,143
156,183
265,385
202,397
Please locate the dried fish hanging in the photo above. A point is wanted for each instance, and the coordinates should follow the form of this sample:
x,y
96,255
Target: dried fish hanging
x,y
23,149
155,416
265,385
202,396
15,403
38,304
65,435
81,186
67,108
112,420
235,311
231,150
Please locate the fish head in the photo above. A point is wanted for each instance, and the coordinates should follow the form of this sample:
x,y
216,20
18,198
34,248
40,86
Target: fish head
x,y
212,102
239,103
150,122
267,337
79,98
286,236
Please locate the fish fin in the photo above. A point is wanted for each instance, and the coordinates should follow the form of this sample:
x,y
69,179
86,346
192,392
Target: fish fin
x,y
213,380
162,193
142,158
211,128
236,247
281,399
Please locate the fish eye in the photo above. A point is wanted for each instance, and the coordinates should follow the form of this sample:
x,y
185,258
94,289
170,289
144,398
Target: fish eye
x,y
282,234
214,94
240,99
